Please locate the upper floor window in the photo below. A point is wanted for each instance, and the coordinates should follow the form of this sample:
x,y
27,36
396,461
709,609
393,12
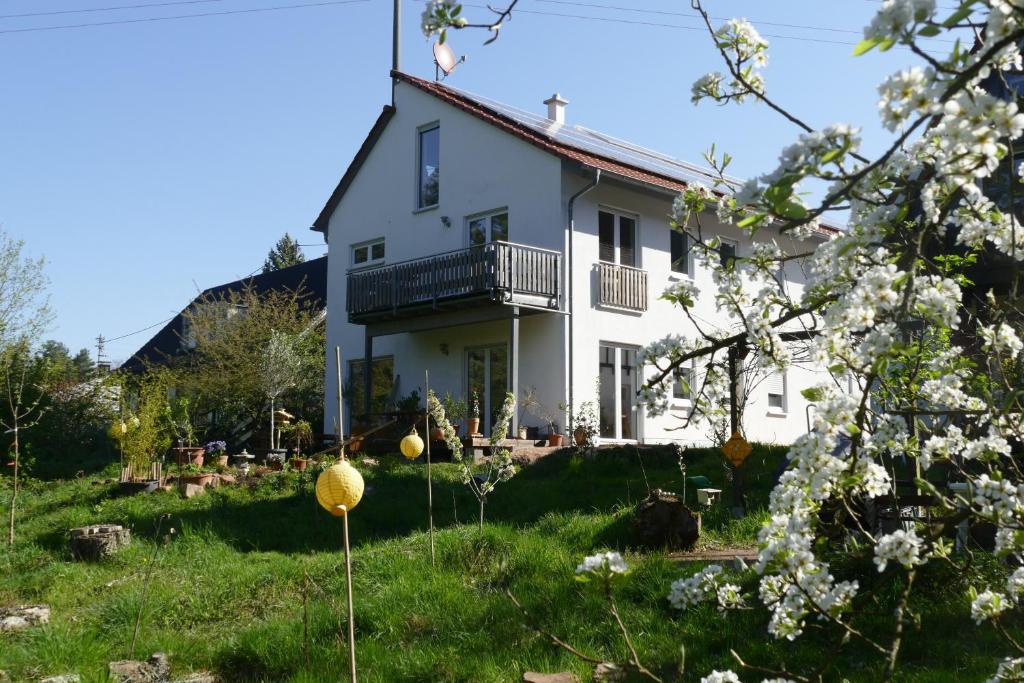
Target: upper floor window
x,y
429,155
492,227
776,391
682,384
679,248
727,250
368,253
616,234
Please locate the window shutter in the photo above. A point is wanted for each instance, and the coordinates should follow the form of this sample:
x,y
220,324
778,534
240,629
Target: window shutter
x,y
776,383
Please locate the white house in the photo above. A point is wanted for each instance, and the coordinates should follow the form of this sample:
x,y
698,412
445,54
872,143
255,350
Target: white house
x,y
506,250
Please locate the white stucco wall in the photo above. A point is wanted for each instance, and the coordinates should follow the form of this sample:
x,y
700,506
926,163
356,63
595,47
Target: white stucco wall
x,y
481,169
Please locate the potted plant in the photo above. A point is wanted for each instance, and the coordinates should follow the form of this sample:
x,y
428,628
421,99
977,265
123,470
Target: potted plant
x,y
194,474
279,370
586,424
302,435
474,413
533,406
455,410
141,433
180,422
356,440
218,452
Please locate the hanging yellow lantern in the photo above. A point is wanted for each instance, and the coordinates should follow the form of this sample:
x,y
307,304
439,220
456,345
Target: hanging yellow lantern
x,y
411,445
338,485
736,449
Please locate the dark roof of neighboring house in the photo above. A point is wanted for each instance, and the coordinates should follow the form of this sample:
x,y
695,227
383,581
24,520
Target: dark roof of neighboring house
x,y
572,143
310,275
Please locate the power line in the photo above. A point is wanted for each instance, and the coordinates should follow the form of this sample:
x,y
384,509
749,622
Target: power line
x,y
756,22
183,16
132,334
104,9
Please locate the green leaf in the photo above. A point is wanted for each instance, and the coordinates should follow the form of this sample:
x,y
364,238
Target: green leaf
x,y
865,45
813,394
831,155
929,31
793,211
886,44
959,15
750,220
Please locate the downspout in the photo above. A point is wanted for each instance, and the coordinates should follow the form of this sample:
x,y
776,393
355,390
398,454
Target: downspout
x,y
572,227
396,46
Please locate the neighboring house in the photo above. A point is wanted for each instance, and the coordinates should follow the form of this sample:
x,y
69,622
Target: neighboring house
x,y
507,251
174,337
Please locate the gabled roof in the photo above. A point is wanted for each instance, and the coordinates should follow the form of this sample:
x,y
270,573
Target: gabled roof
x,y
310,275
571,143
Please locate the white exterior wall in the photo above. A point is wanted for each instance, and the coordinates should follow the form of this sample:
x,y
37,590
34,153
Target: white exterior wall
x,y
594,325
481,169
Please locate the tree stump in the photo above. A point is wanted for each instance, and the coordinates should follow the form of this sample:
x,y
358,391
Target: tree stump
x,y
662,520
98,541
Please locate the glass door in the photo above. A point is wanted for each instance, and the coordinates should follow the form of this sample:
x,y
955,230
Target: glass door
x,y
616,234
487,375
619,381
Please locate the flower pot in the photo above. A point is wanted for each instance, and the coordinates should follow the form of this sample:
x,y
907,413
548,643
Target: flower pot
x,y
190,455
221,460
355,443
436,434
474,426
555,440
199,479
524,433
276,465
130,488
299,464
581,436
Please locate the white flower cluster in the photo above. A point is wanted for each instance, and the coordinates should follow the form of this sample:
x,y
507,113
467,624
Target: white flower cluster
x,y
907,94
1010,669
748,51
720,677
438,15
988,605
705,586
897,19
1001,339
602,564
901,546
998,499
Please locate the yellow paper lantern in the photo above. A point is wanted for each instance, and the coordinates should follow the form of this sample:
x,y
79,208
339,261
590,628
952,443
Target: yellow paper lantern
x,y
340,484
736,449
412,445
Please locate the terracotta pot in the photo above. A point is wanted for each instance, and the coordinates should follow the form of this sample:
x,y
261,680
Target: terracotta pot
x,y
276,465
187,455
221,460
581,436
436,434
555,440
299,464
200,479
474,425
355,444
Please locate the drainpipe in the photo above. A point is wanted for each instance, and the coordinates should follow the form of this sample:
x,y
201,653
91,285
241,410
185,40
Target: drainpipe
x,y
572,227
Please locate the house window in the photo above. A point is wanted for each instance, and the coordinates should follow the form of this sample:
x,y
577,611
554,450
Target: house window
x,y
776,391
618,375
680,249
368,253
682,385
617,238
429,155
488,228
382,386
727,250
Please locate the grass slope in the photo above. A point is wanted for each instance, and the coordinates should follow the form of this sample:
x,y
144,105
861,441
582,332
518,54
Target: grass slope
x,y
228,591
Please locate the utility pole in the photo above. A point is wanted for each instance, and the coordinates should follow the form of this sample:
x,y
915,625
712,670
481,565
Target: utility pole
x,y
101,357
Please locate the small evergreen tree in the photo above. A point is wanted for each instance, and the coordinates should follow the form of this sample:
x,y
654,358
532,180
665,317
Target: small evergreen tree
x,y
83,364
285,253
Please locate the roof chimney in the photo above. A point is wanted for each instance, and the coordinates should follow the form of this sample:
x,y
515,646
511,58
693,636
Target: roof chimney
x,y
556,108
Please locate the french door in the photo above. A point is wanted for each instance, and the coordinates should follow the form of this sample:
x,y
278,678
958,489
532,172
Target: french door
x,y
616,234
487,375
619,382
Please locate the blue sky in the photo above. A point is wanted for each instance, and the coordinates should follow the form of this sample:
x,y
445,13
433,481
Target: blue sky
x,y
148,160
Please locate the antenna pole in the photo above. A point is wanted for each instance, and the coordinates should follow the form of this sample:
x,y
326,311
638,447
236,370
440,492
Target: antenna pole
x,y
396,51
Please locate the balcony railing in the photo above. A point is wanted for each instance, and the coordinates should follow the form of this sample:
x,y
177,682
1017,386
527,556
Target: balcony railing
x,y
621,287
498,272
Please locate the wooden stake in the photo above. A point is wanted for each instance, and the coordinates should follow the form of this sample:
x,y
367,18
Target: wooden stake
x,y
348,586
430,486
341,418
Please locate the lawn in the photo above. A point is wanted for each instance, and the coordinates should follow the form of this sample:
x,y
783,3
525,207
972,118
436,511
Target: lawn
x,y
251,583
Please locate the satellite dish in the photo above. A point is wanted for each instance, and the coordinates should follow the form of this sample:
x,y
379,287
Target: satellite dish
x,y
444,60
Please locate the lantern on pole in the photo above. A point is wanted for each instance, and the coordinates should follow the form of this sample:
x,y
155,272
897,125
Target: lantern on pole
x,y
339,488
411,445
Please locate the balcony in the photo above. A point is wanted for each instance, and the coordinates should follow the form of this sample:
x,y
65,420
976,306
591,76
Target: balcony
x,y
494,273
621,287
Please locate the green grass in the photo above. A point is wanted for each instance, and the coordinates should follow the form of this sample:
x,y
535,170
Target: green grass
x,y
227,592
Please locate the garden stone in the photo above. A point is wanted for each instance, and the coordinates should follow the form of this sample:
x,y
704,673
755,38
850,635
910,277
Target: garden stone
x,y
64,678
23,616
560,677
156,670
193,490
606,672
226,478
98,541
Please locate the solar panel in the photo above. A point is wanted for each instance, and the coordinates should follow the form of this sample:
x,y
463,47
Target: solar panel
x,y
593,142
